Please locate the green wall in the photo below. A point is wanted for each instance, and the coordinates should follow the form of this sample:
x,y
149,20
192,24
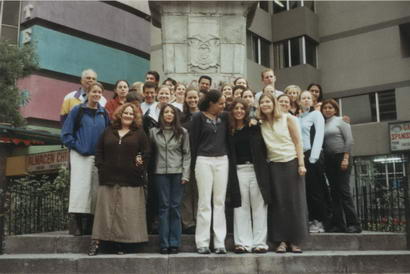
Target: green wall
x,y
68,54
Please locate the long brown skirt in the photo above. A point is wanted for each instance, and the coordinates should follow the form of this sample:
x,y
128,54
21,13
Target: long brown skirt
x,y
288,212
120,215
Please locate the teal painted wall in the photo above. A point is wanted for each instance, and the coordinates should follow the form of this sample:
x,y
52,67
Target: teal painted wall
x,y
71,55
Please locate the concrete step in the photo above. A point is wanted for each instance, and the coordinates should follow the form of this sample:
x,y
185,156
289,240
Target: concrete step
x,y
392,261
61,242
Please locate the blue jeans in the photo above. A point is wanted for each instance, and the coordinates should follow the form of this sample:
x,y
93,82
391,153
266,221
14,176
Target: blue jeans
x,y
170,191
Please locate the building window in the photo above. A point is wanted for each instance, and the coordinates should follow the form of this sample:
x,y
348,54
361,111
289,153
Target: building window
x,y
310,46
405,39
258,49
295,51
264,5
9,20
373,107
284,5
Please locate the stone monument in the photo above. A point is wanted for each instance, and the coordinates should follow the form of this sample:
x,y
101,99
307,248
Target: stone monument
x,y
203,38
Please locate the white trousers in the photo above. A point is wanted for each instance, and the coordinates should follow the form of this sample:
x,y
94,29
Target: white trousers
x,y
250,220
212,179
83,183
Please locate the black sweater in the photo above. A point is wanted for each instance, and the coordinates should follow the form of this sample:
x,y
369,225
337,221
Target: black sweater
x,y
258,154
115,157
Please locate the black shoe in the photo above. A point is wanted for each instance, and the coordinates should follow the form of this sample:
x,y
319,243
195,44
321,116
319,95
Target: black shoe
x,y
190,230
173,250
354,229
335,229
163,250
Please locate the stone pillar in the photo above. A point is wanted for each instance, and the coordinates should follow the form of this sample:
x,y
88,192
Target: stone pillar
x,y
203,38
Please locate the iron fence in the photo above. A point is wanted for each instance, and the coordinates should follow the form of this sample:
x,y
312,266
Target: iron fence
x,y
36,204
381,192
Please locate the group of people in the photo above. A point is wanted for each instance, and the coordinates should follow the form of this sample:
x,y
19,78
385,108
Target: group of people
x,y
178,155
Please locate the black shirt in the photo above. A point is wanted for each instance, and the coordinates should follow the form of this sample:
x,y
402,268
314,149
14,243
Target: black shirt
x,y
212,139
241,139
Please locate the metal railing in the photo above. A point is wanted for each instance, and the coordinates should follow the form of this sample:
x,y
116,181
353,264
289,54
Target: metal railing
x,y
381,193
35,205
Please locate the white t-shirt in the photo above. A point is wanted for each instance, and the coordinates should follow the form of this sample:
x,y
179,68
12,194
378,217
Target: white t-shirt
x,y
258,95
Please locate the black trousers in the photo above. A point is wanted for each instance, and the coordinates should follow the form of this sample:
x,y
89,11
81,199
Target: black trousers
x,y
343,208
316,191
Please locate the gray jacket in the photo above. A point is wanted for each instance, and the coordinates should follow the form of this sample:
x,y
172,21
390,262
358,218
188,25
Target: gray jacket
x,y
171,155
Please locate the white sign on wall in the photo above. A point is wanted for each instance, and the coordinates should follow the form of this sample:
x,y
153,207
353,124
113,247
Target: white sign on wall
x,y
399,136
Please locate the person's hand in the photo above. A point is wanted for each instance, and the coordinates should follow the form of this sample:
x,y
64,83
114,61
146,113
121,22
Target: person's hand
x,y
345,164
302,170
183,182
346,119
253,122
138,160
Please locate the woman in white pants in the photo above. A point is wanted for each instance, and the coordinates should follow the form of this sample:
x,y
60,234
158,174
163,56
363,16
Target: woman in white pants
x,y
208,135
248,166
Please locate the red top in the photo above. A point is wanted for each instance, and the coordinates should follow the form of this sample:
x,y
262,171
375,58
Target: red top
x,y
112,106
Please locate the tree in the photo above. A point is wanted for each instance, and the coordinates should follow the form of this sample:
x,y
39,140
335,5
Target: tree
x,y
15,62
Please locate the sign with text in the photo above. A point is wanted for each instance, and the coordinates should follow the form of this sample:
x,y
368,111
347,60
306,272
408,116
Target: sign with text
x,y
47,161
399,136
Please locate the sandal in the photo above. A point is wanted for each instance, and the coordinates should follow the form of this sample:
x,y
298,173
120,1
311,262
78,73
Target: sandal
x,y
281,248
94,248
239,249
295,249
259,250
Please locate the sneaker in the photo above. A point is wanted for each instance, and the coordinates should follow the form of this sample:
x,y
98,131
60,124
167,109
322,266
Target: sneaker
x,y
203,250
313,227
320,228
220,250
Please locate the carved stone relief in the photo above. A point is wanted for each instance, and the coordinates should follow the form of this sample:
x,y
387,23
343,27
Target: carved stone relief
x,y
204,53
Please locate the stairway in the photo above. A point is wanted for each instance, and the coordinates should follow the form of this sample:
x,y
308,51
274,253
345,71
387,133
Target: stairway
x,y
57,252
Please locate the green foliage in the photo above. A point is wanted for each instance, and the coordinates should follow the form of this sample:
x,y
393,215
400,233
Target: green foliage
x,y
15,62
38,203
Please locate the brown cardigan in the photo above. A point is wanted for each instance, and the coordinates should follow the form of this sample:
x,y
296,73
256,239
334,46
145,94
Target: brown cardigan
x,y
116,160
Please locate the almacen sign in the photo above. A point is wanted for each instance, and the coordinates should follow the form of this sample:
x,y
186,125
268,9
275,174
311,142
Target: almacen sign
x,y
47,161
399,136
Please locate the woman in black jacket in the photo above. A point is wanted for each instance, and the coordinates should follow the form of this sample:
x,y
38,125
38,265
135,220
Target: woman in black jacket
x,y
249,169
121,157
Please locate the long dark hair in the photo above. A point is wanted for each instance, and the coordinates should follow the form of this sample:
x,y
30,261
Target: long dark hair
x,y
333,103
176,123
116,85
320,98
212,95
186,112
232,120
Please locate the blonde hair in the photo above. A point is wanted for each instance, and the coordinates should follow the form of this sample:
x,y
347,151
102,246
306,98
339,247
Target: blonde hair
x,y
276,113
265,71
293,87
